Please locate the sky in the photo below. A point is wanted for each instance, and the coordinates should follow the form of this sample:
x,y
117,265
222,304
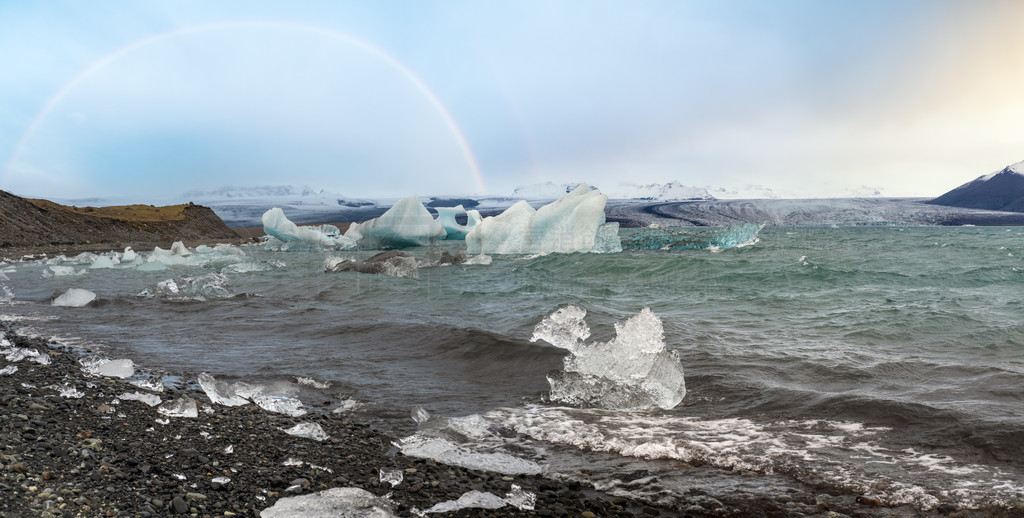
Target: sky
x,y
151,99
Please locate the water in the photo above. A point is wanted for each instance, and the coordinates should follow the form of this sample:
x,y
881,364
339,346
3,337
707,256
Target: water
x,y
880,361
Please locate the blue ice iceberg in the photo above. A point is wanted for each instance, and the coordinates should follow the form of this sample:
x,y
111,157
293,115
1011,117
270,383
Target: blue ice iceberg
x,y
407,223
455,231
574,223
287,235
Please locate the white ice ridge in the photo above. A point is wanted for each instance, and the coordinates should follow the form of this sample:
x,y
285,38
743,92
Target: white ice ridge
x,y
456,232
74,298
632,371
407,223
287,235
332,503
574,223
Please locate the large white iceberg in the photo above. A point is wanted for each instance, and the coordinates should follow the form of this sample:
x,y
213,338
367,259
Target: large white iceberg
x,y
574,223
407,223
290,235
632,371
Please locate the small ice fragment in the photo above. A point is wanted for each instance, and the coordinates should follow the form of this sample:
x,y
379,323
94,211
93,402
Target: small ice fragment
x,y
521,499
291,462
181,407
154,384
339,501
229,449
149,399
70,391
420,414
391,476
99,366
308,430
28,385
74,298
221,392
471,499
163,421
10,369
347,405
180,476
310,382
280,404
221,480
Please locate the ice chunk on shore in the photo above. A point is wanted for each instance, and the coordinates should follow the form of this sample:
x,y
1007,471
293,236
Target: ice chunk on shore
x,y
149,399
99,366
153,384
332,503
574,223
474,499
307,430
632,371
181,407
74,298
10,369
445,451
279,403
291,236
223,393
407,223
391,476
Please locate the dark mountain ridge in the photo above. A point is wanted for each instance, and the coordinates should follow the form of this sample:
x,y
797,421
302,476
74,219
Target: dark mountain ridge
x,y
1002,190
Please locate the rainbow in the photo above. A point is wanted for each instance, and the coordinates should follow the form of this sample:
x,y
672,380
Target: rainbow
x,y
375,51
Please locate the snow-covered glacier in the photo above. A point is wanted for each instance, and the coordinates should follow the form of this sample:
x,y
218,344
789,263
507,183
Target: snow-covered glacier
x,y
574,223
633,371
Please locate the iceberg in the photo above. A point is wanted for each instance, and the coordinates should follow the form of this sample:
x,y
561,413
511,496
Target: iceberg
x,y
74,298
455,231
407,223
289,236
657,237
574,223
332,503
633,371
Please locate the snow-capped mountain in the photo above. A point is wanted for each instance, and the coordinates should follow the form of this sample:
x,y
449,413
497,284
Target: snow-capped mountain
x,y
672,191
1002,190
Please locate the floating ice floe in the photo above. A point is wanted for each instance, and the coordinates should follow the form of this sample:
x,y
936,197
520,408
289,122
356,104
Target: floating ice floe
x,y
99,366
392,263
74,298
407,223
191,288
149,399
307,430
659,237
332,503
574,223
347,405
62,271
6,294
632,371
516,497
447,452
286,235
181,407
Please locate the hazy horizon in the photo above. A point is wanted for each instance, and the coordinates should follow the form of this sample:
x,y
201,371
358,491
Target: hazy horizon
x,y
152,99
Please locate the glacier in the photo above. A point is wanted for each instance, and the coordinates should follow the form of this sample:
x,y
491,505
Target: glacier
x,y
285,235
573,223
633,371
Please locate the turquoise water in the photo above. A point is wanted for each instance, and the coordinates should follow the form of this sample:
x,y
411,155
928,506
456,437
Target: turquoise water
x,y
886,361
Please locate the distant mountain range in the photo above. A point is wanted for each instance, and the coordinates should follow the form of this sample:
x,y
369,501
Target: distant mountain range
x,y
1002,190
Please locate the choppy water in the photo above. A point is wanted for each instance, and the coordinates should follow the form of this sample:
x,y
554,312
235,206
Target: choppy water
x,y
885,361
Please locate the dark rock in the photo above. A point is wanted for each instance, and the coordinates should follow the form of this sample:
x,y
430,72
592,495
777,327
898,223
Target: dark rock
x,y
178,505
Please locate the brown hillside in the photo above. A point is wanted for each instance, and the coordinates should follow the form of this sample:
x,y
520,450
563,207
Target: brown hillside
x,y
42,225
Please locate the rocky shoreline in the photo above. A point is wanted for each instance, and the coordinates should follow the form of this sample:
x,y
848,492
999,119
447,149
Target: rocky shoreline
x,y
73,447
